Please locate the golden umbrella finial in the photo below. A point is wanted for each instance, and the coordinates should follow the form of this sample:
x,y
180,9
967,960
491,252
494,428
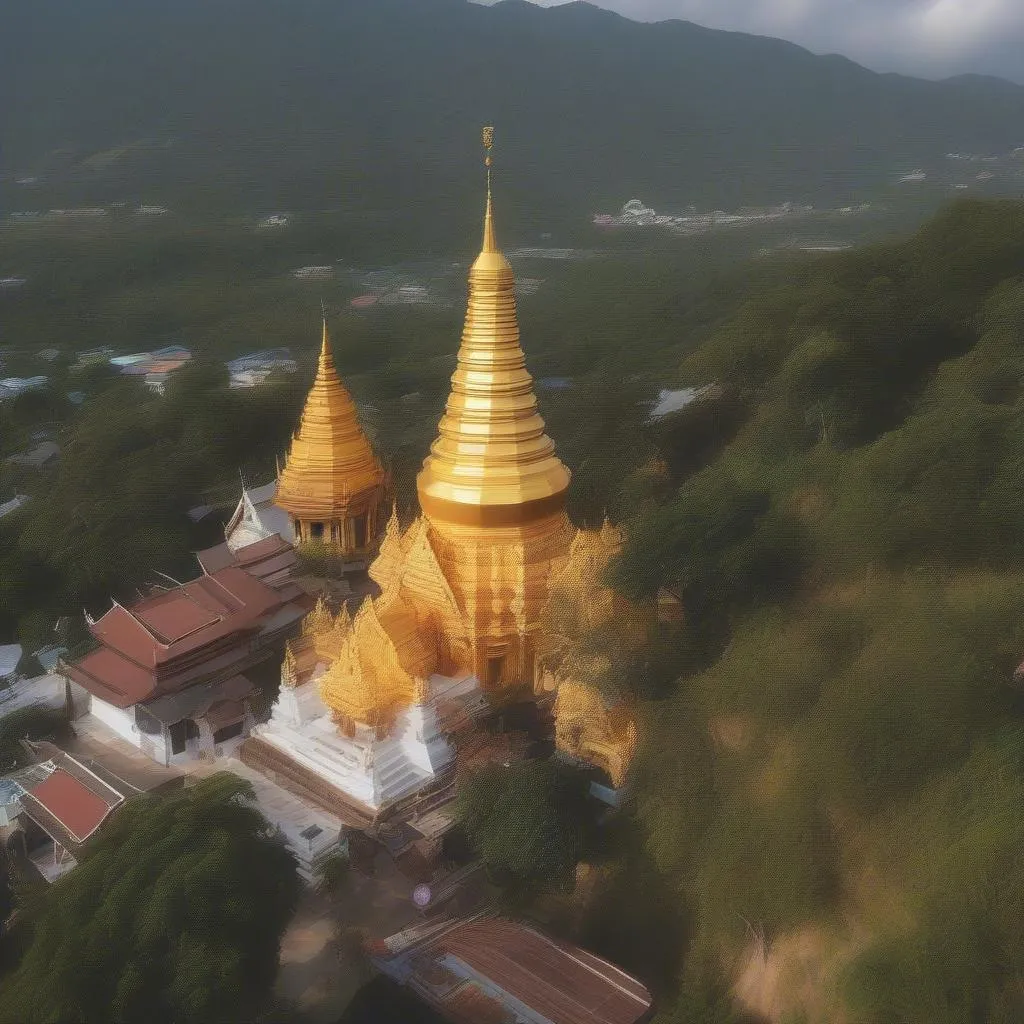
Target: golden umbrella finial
x,y
488,139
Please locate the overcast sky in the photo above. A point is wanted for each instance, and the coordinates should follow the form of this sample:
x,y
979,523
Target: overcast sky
x,y
931,38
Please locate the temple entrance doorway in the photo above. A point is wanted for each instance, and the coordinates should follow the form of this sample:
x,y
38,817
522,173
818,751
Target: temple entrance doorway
x,y
494,667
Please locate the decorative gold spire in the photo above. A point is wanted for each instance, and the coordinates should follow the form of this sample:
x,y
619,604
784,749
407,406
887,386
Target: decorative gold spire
x,y
489,243
492,464
330,464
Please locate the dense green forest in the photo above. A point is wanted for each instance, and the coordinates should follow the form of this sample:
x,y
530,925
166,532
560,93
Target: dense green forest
x,y
838,772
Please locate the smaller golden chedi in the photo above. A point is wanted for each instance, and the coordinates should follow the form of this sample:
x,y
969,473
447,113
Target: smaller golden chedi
x,y
333,486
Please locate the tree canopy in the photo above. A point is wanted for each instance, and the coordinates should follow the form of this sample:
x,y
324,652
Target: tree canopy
x,y
529,822
174,914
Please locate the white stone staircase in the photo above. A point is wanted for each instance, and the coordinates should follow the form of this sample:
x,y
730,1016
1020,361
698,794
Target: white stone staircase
x,y
374,772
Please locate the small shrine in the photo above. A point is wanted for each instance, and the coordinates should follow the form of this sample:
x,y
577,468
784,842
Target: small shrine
x,y
333,487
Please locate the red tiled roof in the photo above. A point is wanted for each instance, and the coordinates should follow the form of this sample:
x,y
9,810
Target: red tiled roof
x,y
565,984
260,549
217,557
159,643
174,616
78,809
112,677
160,628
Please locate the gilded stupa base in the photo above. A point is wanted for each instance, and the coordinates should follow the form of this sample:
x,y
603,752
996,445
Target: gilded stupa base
x,y
375,770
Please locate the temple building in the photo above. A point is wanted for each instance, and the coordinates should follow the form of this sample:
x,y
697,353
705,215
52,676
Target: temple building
x,y
257,518
370,701
168,673
332,487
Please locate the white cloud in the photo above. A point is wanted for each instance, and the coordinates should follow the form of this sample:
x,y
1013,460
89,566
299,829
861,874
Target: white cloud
x,y
927,37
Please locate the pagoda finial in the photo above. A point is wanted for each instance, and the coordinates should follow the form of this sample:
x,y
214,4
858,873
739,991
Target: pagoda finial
x,y
489,243
325,344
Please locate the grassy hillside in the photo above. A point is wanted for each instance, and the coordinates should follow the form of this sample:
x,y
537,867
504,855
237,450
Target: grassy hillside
x,y
831,794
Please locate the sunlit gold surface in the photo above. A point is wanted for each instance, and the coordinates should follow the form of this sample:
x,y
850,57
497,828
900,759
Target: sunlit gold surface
x,y
462,588
492,463
590,723
331,476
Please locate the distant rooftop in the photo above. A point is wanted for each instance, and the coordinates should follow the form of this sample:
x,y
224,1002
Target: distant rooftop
x,y
673,401
7,507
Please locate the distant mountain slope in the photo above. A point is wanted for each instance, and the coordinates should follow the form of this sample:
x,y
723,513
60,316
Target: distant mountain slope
x,y
376,102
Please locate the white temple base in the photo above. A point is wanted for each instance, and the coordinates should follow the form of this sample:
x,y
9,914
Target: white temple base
x,y
375,772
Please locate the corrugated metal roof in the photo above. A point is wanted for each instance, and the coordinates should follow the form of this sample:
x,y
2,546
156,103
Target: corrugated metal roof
x,y
562,983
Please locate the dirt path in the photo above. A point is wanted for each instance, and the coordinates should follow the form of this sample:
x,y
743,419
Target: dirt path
x,y
322,974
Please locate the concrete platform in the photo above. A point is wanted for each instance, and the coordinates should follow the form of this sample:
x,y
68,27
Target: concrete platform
x,y
95,741
311,833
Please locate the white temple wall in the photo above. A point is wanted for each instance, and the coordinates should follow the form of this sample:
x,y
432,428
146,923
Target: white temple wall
x,y
80,699
300,705
416,732
118,720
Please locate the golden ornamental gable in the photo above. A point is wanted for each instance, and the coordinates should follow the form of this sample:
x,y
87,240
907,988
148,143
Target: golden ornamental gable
x,y
319,620
331,640
424,578
387,568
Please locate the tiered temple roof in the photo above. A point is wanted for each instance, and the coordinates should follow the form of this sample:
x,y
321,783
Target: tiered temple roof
x,y
464,585
492,464
193,632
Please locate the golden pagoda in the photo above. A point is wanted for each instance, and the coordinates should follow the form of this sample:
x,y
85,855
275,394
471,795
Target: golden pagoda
x,y
332,486
463,587
369,699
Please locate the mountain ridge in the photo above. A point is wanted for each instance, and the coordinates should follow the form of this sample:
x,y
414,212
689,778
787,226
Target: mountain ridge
x,y
376,104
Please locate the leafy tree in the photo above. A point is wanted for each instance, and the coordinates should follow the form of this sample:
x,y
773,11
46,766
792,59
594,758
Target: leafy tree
x,y
173,915
717,540
529,822
333,874
33,723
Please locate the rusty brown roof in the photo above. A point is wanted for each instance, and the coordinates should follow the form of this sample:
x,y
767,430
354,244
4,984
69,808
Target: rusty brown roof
x,y
468,1004
563,983
515,964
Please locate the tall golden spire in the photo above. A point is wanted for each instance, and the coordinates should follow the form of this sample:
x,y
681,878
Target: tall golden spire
x,y
330,464
489,244
492,463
